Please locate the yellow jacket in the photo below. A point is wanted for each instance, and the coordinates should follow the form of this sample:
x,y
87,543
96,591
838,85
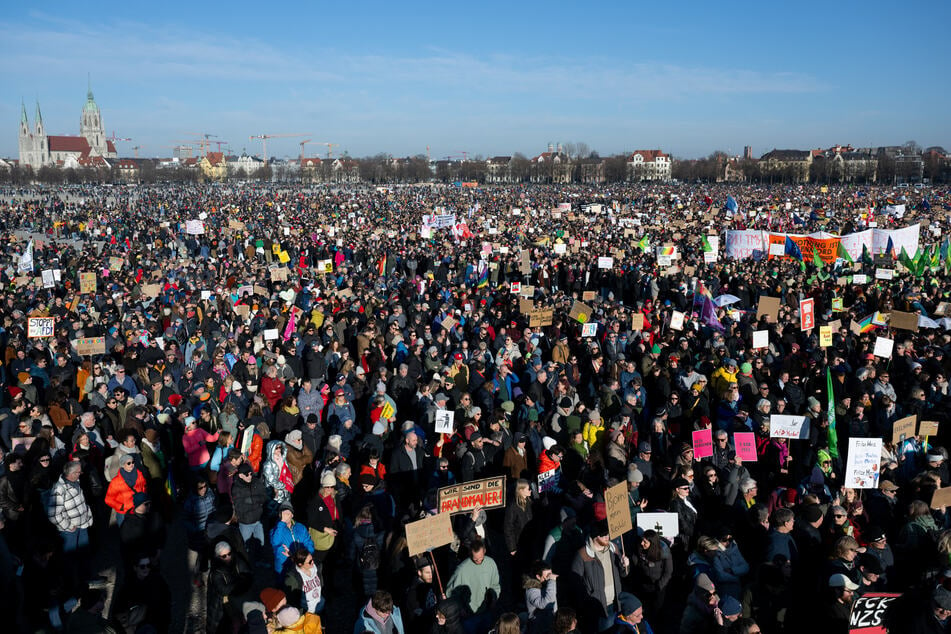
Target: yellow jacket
x,y
720,380
592,429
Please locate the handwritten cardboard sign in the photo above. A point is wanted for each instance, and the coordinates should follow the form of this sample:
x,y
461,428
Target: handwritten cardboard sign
x,y
825,336
702,443
428,533
791,427
928,428
87,282
941,498
637,321
903,321
863,467
462,498
618,510
768,306
903,429
540,317
580,312
40,327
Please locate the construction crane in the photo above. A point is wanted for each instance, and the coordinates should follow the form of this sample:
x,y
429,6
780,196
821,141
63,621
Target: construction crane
x,y
115,138
302,144
136,150
330,147
265,137
203,142
219,144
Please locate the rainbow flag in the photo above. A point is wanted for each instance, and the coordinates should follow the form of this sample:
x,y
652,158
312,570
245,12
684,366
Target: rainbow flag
x,y
381,265
483,274
866,324
665,250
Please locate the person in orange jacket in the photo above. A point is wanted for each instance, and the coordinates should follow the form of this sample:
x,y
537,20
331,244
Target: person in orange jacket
x,y
126,484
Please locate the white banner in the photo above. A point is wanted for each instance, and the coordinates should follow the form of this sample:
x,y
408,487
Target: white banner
x,y
194,227
907,237
741,244
791,427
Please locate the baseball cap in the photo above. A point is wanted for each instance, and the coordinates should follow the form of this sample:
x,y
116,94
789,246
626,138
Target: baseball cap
x,y
841,581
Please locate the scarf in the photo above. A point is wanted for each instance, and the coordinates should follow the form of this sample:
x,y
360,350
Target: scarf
x,y
376,616
130,477
292,409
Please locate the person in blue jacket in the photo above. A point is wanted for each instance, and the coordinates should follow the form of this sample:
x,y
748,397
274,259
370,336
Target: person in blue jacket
x,y
380,615
285,534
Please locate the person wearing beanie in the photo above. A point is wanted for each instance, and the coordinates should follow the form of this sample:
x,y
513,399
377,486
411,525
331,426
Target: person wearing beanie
x,y
600,566
290,620
936,616
630,617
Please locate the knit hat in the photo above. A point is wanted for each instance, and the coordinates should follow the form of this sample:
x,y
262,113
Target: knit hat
x,y
288,616
23,377
634,475
507,406
295,439
811,513
548,442
813,402
628,603
746,368
334,443
271,598
730,606
942,598
327,479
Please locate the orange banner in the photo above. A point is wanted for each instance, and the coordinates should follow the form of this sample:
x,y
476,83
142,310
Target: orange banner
x,y
827,248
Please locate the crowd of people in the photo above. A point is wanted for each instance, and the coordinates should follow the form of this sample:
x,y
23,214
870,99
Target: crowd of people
x,y
263,368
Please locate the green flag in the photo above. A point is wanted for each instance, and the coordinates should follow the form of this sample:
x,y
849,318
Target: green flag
x,y
833,438
906,261
816,260
643,244
705,244
844,253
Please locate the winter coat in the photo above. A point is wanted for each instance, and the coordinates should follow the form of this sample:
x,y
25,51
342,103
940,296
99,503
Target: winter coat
x,y
541,601
226,580
194,443
284,537
516,519
655,575
366,623
276,476
588,569
249,499
119,495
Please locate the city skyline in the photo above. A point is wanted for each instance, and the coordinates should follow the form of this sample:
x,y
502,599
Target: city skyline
x,y
506,79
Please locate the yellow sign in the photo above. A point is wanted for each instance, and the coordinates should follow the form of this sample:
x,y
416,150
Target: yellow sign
x,y
387,412
825,336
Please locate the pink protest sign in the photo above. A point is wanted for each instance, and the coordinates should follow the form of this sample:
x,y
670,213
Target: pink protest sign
x,y
745,444
703,443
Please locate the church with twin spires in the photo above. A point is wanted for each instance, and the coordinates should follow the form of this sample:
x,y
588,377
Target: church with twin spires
x,y
90,149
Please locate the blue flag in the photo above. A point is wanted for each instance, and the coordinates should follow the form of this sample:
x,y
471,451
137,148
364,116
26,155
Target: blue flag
x,y
925,204
731,205
792,249
890,248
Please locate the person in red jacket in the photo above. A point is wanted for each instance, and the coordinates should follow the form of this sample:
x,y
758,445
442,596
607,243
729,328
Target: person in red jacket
x,y
123,487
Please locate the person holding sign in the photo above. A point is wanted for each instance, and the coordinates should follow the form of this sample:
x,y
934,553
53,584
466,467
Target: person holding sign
x,y
599,566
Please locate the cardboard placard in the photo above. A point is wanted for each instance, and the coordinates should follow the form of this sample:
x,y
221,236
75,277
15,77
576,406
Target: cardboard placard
x,y
115,264
942,308
825,336
40,327
928,428
87,282
260,290
903,429
618,510
445,421
527,291
941,498
242,311
903,321
791,427
768,306
580,312
89,346
428,533
835,325
760,339
702,443
462,498
665,524
449,323
278,274
540,317
588,296
637,321
150,290
745,444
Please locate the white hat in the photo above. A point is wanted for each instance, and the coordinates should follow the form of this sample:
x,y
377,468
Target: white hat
x,y
236,385
841,581
548,442
189,420
288,616
295,439
327,479
334,442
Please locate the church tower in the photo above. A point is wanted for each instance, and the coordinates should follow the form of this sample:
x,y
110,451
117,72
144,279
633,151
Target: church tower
x,y
91,126
41,143
25,138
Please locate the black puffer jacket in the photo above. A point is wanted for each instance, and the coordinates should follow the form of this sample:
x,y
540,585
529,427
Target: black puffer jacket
x,y
249,499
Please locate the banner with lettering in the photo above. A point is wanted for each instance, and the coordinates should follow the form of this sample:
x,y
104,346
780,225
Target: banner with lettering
x,y
462,498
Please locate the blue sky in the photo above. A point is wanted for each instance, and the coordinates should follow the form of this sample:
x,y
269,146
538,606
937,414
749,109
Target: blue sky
x,y
485,78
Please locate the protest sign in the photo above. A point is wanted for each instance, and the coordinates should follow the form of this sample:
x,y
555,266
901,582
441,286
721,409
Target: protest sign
x,y
89,346
194,227
39,327
825,336
87,282
941,498
462,498
637,321
540,317
516,288
807,314
903,429
791,427
445,421
525,306
768,306
617,509
429,533
760,339
115,264
868,613
862,469
270,334
580,312
928,428
548,480
449,323
837,305
387,411
903,321
527,291
665,524
677,320
702,443
860,278
260,290
49,281
884,274
884,347
588,296
745,444
605,262
278,274
150,290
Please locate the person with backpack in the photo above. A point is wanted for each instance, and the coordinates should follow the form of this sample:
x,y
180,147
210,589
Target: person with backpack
x,y
367,546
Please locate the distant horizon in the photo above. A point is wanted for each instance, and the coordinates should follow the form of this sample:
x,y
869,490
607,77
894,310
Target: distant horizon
x,y
382,79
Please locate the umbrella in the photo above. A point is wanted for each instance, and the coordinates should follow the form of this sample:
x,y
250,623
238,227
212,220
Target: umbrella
x,y
725,300
926,322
